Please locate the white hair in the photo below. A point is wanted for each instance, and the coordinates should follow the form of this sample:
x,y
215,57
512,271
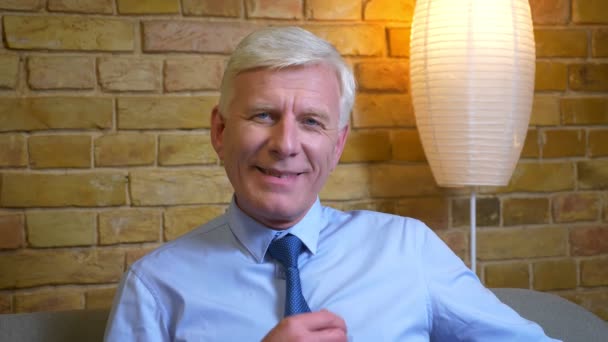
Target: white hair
x,y
281,47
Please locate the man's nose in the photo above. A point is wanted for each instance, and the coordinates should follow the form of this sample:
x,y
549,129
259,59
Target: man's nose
x,y
284,140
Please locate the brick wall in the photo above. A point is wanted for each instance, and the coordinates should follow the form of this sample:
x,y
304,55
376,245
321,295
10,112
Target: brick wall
x,y
105,152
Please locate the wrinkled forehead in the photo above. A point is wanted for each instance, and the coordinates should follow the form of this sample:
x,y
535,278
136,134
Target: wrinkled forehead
x,y
312,86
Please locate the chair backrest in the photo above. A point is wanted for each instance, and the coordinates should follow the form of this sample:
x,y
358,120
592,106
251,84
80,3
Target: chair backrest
x,y
61,326
560,318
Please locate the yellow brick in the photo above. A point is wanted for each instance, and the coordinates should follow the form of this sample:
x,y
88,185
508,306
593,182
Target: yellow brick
x,y
127,226
590,240
390,76
129,73
54,72
57,112
165,112
12,230
13,151
599,43
56,300
545,111
407,146
563,143
61,228
148,6
347,182
201,186
589,12
272,9
531,148
588,77
399,41
516,243
194,36
48,151
598,143
6,303
226,8
68,33
397,10
333,10
433,211
554,275
596,302
180,220
593,174
545,177
520,211
605,199
81,6
550,11
573,207
62,266
125,149
594,272
186,150
9,69
353,40
515,275
21,5
487,212
402,180
60,190
100,298
367,146
584,110
193,73
560,42
551,76
383,110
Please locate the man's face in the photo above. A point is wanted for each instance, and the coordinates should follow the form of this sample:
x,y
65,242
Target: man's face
x,y
280,140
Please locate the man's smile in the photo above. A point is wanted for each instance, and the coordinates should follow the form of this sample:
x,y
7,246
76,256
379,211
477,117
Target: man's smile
x,y
278,173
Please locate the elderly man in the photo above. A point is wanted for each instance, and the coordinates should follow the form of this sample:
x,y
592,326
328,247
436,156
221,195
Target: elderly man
x,y
278,265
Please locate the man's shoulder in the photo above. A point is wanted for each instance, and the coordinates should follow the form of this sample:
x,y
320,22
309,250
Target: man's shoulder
x,y
372,219
366,214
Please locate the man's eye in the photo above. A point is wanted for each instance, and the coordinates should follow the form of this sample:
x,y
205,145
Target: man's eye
x,y
311,122
262,116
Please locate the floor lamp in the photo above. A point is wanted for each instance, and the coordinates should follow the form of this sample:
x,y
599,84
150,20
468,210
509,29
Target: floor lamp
x,y
472,65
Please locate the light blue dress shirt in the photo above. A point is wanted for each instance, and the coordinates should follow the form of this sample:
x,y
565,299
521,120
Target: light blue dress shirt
x,y
389,277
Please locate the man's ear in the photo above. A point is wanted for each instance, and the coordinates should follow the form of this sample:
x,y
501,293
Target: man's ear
x,y
340,143
218,124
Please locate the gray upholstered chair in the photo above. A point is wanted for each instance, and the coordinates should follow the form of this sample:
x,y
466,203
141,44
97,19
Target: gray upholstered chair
x,y
61,326
559,318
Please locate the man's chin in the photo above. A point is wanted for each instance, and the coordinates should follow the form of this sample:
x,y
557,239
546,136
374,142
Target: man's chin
x,y
277,216
277,211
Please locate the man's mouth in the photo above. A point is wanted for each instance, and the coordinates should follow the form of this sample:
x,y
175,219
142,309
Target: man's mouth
x,y
277,173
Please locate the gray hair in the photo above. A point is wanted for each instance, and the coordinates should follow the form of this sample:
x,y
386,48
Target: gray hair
x,y
281,47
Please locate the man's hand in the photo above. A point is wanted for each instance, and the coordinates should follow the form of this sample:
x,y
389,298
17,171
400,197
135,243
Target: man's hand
x,y
314,326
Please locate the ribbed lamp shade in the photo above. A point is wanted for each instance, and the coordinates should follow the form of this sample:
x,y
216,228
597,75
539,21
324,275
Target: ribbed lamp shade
x,y
472,66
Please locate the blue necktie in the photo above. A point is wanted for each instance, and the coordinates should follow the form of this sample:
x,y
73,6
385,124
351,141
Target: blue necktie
x,y
286,250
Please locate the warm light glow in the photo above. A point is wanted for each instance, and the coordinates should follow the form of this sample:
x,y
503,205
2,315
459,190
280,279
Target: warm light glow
x,y
472,79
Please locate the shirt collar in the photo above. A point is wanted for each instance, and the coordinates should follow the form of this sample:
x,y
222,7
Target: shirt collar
x,y
256,237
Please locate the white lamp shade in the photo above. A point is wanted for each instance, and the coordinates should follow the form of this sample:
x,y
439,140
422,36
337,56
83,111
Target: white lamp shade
x,y
472,66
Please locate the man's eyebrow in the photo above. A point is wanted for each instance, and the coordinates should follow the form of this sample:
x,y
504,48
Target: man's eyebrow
x,y
260,107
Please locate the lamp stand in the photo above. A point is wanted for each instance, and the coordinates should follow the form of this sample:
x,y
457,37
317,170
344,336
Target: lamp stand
x,y
473,246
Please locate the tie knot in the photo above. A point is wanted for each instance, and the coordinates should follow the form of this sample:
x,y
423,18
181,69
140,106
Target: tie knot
x,y
286,250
